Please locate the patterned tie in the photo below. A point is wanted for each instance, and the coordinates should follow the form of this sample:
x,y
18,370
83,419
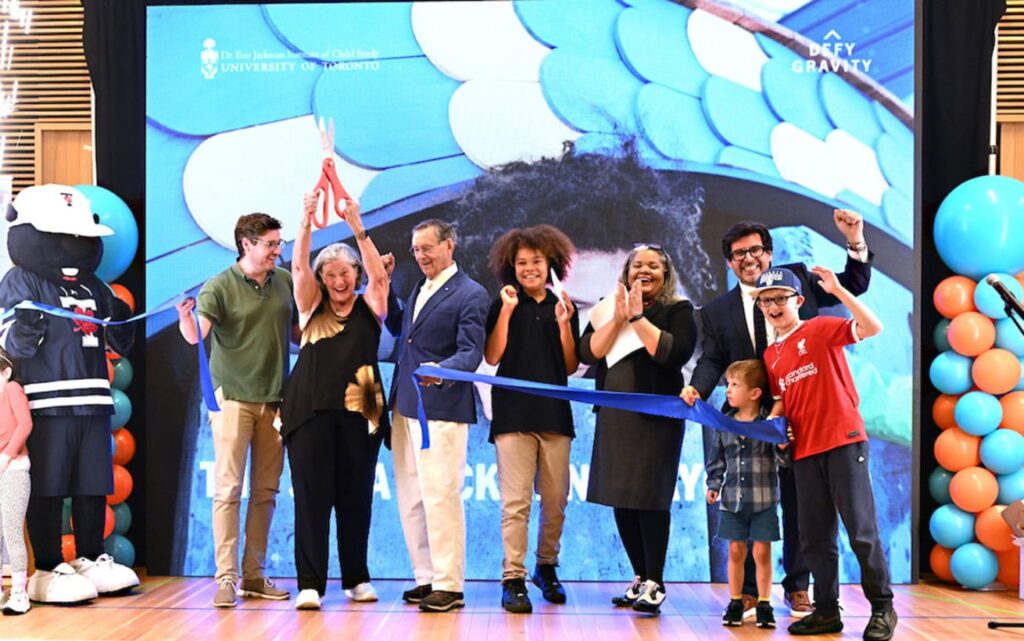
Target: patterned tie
x,y
760,332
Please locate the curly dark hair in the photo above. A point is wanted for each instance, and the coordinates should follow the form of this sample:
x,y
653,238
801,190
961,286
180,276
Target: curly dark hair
x,y
546,239
580,193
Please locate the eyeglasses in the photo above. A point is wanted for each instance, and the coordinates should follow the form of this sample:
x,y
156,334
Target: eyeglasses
x,y
426,250
654,246
764,302
270,244
755,252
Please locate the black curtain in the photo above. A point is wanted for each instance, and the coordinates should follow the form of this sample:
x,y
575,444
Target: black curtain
x,y
956,75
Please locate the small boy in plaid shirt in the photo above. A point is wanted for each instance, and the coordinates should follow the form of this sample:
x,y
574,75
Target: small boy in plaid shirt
x,y
744,474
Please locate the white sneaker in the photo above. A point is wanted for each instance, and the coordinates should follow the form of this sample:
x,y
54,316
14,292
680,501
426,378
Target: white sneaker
x,y
363,593
108,577
634,590
651,597
17,603
61,585
307,600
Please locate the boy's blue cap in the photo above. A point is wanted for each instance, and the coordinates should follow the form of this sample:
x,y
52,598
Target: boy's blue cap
x,y
777,278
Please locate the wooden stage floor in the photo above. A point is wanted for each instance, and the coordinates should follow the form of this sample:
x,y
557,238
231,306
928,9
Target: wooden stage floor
x,y
177,608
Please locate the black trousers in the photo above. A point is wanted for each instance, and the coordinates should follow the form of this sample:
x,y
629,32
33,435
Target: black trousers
x,y
798,576
44,518
645,534
838,481
333,461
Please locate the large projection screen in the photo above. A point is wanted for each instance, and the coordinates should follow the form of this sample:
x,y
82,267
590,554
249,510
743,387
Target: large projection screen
x,y
768,110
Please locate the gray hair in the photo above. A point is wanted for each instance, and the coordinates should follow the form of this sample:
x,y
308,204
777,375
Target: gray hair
x,y
342,252
670,288
444,230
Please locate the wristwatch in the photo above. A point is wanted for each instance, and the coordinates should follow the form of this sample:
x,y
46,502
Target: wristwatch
x,y
633,319
857,247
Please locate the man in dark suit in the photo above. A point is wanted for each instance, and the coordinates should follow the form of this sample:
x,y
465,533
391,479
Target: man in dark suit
x,y
735,329
441,323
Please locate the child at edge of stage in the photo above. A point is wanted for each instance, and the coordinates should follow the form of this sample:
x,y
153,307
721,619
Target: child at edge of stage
x,y
812,386
742,473
15,426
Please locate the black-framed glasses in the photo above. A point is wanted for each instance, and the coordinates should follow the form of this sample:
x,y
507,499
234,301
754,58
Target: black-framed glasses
x,y
764,302
754,251
654,246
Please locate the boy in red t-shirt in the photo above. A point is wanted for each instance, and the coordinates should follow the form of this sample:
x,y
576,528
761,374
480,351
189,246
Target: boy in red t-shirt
x,y
813,388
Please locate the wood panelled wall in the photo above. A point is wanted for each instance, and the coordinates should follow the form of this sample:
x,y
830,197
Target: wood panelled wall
x,y
53,88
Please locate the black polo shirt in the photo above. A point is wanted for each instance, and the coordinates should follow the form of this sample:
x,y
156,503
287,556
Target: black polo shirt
x,y
533,353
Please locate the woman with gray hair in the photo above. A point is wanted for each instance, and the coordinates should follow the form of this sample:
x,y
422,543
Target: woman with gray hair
x,y
333,414
635,460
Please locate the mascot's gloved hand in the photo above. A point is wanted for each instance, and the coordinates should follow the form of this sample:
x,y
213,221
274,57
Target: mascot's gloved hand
x,y
27,332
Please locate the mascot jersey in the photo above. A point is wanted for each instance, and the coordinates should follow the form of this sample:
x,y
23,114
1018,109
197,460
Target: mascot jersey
x,y
63,369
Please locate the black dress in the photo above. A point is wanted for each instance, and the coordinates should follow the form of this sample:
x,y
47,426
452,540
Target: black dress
x,y
635,460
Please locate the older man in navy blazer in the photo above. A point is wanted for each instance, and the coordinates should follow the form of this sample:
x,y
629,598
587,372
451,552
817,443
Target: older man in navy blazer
x,y
442,323
734,329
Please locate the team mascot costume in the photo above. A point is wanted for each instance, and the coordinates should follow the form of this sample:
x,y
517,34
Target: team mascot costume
x,y
54,243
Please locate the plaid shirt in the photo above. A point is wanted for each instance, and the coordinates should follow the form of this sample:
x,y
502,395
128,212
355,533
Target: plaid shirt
x,y
745,472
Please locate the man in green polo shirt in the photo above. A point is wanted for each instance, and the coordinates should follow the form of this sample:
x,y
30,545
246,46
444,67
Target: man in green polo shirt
x,y
248,307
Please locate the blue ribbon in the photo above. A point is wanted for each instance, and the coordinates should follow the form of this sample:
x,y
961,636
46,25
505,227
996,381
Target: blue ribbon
x,y
772,431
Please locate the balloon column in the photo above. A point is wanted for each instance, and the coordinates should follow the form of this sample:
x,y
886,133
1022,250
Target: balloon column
x,y
980,413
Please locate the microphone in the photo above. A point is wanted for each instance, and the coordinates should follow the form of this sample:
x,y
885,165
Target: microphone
x,y
1004,293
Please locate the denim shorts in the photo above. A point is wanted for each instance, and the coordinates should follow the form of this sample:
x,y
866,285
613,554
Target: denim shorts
x,y
747,525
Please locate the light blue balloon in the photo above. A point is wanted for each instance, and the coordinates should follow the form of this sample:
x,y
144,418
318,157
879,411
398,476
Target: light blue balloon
x,y
1002,451
118,249
121,549
951,527
974,566
978,413
1011,487
122,518
122,409
939,336
938,485
1008,337
123,373
987,299
978,229
950,373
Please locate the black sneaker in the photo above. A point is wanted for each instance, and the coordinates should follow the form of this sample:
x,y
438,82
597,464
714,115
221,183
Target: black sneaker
x,y
545,578
652,595
765,615
417,594
817,622
629,597
441,601
733,613
514,597
880,626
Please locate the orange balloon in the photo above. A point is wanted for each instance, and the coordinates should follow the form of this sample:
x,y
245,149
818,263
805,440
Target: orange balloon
x,y
124,446
955,449
108,522
992,530
110,371
1020,278
122,292
996,371
939,562
971,333
942,411
1013,411
122,486
1009,567
112,355
954,295
974,489
67,547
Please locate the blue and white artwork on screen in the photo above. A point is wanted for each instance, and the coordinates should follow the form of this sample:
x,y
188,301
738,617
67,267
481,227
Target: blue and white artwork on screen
x,y
775,110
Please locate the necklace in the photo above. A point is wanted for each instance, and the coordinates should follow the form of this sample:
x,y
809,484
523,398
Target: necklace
x,y
780,340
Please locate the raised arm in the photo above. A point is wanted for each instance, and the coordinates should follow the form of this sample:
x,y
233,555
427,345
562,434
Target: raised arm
x,y
378,281
307,291
868,324
497,338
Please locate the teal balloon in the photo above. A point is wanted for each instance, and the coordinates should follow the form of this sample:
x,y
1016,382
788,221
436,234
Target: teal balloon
x,y
66,517
1020,384
938,485
978,227
987,299
974,566
978,413
1008,337
951,527
950,373
1011,487
121,549
1002,451
940,338
122,518
122,409
120,248
123,373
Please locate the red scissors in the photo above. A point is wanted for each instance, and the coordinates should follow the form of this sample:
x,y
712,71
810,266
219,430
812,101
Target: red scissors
x,y
329,181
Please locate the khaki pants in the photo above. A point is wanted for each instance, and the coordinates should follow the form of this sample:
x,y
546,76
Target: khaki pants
x,y
528,460
429,487
241,429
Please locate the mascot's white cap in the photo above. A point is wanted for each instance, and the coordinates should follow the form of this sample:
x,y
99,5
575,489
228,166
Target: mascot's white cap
x,y
57,209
